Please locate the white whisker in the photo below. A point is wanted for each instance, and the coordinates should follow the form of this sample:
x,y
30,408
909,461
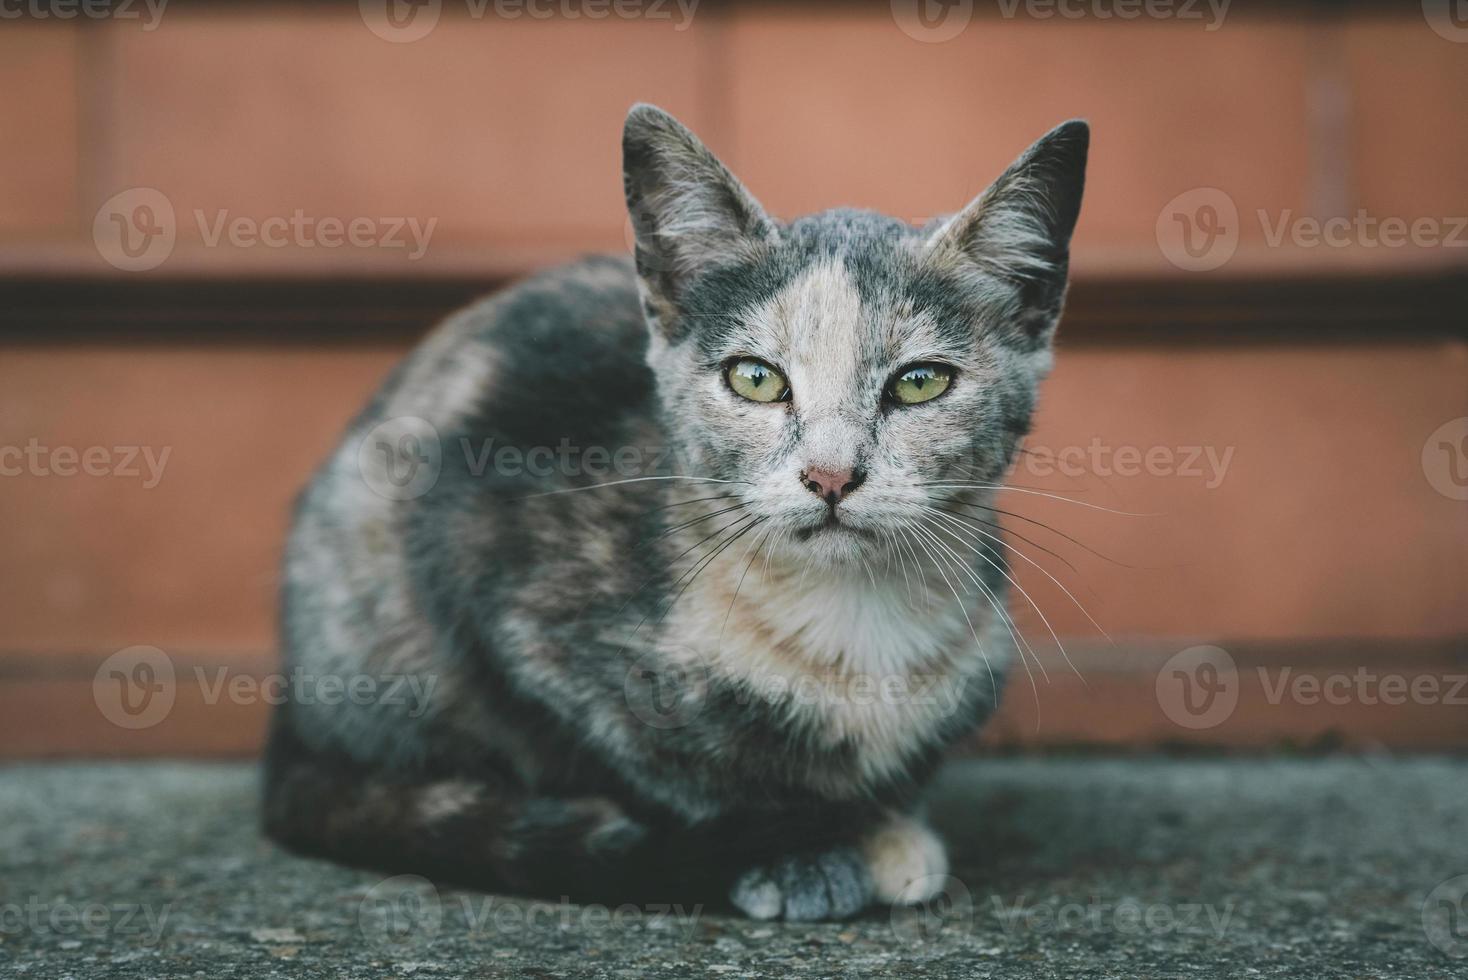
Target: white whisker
x,y
1037,493
635,479
753,544
1044,571
1015,634
993,684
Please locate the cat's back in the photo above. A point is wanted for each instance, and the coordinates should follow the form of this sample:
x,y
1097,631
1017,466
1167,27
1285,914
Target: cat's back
x,y
553,361
485,399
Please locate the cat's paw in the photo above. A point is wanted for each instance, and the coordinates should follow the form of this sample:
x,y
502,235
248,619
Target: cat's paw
x,y
831,884
907,860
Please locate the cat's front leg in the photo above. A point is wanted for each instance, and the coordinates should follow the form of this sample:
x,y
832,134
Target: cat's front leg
x,y
805,887
908,861
898,860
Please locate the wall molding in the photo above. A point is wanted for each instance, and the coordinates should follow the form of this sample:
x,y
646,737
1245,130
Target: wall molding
x,y
48,703
1384,308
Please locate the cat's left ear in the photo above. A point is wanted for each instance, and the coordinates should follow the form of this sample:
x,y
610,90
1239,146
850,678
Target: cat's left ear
x,y
689,213
1018,231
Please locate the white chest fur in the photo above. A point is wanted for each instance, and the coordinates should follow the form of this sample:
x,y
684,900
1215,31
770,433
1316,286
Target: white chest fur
x,y
879,664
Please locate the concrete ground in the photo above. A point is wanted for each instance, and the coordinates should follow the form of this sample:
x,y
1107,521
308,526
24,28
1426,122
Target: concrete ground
x,y
1080,867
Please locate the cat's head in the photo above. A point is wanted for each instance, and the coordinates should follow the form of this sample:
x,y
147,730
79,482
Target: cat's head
x,y
845,366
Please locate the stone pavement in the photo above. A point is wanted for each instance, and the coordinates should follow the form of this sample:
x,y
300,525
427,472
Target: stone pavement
x,y
1064,867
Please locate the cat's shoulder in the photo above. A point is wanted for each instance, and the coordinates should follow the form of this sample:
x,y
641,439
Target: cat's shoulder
x,y
566,354
592,300
566,336
570,322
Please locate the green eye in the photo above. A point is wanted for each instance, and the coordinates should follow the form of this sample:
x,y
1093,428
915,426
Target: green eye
x,y
920,383
757,381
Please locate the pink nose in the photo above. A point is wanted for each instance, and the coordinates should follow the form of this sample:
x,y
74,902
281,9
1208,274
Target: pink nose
x,y
831,485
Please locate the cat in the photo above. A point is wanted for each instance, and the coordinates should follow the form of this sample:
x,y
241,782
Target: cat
x,y
692,553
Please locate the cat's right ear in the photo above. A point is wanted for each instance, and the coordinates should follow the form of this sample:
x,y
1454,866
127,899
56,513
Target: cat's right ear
x,y
689,213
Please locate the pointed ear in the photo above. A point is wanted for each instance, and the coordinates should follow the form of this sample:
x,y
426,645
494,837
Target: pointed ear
x,y
688,212
1018,231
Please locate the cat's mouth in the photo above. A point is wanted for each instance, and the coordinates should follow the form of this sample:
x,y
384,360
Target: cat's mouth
x,y
831,525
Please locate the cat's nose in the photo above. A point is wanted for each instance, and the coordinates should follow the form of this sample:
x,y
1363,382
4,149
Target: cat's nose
x,y
832,485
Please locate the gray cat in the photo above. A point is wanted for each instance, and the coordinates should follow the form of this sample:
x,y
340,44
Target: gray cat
x,y
673,582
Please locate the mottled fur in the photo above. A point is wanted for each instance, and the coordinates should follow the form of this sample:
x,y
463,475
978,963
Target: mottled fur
x,y
640,693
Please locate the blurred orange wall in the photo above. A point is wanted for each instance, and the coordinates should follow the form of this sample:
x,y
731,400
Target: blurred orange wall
x,y
1319,528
